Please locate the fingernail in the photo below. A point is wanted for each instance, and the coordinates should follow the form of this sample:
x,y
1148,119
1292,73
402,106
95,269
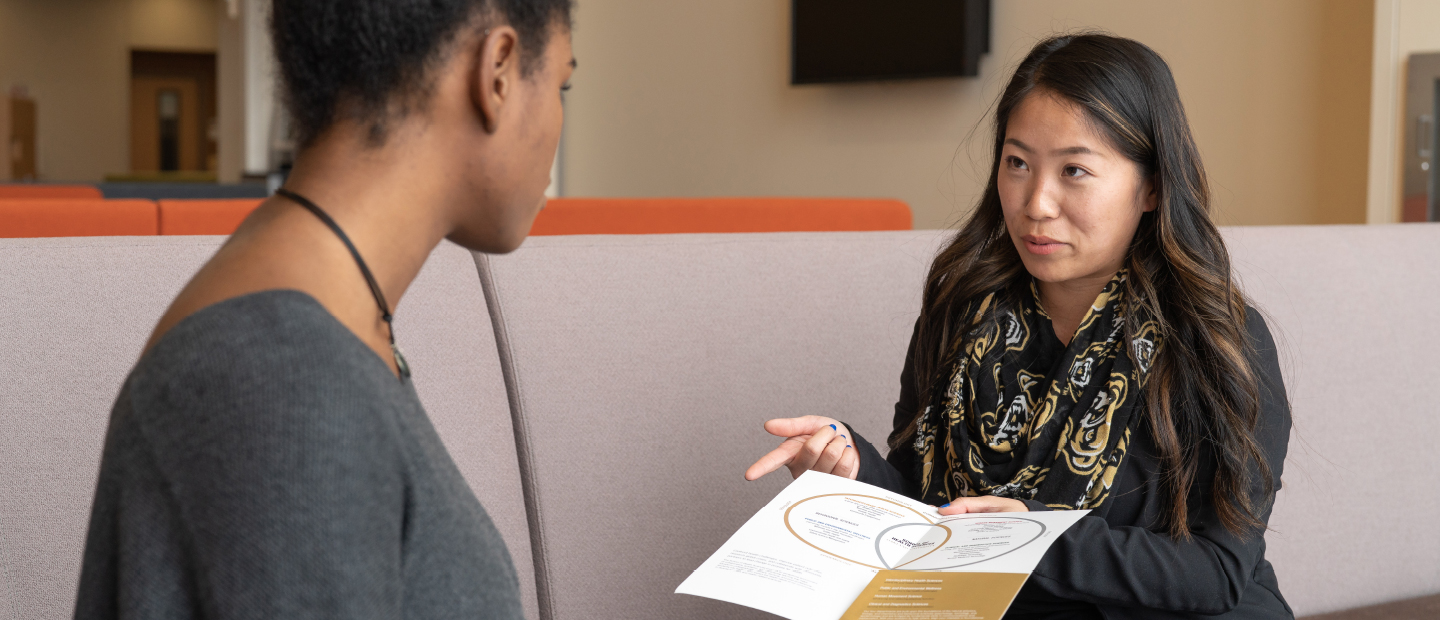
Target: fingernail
x,y
832,427
849,446
946,506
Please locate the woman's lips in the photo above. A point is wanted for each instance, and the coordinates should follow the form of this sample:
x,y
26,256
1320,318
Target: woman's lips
x,y
1041,245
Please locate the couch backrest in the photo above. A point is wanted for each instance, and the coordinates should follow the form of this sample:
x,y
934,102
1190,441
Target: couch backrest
x,y
1354,311
641,370
78,310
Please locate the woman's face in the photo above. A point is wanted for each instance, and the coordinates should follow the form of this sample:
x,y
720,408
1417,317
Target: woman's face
x,y
512,171
541,99
1071,200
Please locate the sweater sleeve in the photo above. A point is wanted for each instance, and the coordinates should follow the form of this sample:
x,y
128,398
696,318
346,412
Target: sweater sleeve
x,y
891,472
1207,574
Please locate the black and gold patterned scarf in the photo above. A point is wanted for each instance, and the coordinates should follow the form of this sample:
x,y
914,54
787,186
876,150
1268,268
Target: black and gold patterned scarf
x,y
1027,417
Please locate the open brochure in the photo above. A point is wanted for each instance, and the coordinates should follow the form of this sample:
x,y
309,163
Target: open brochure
x,y
829,548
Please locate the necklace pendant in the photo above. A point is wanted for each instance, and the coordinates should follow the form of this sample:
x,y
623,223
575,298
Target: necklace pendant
x,y
400,361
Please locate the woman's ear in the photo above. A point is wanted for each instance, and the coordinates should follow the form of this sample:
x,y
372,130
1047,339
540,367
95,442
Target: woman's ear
x,y
495,74
1152,197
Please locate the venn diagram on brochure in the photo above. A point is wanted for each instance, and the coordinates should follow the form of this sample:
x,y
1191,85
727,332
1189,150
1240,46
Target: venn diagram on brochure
x,y
883,534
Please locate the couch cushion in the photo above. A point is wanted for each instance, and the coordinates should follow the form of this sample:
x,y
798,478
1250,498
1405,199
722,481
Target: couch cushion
x,y
1353,310
642,368
78,311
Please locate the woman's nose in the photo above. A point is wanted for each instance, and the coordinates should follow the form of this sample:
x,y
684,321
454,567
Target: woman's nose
x,y
1042,203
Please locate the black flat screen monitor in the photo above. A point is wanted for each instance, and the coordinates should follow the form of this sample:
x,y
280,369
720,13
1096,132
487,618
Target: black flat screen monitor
x,y
863,40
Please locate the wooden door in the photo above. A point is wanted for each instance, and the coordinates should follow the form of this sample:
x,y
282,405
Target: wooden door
x,y
164,124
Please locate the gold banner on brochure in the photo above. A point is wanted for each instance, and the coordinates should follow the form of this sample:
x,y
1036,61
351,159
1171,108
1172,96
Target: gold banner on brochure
x,y
920,595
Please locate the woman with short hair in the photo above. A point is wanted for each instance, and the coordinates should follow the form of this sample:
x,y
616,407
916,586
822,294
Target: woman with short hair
x,y
268,456
1083,345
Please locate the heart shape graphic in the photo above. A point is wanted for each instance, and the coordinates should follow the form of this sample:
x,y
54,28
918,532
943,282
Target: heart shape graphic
x,y
899,546
836,524
977,539
839,525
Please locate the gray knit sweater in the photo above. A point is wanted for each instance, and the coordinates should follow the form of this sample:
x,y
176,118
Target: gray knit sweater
x,y
262,462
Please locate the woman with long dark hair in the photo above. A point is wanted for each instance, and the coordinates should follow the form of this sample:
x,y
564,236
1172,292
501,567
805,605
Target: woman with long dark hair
x,y
1083,345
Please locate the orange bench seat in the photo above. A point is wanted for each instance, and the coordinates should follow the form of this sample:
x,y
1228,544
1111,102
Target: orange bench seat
x,y
639,216
619,216
561,216
59,217
204,217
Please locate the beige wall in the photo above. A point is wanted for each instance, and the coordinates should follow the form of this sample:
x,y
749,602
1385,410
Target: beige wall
x,y
1343,134
230,102
174,25
74,57
690,97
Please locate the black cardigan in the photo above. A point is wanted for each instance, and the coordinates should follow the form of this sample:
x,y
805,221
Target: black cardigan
x,y
1125,565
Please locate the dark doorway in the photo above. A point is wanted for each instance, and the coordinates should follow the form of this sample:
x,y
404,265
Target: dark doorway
x,y
172,111
21,140
1422,140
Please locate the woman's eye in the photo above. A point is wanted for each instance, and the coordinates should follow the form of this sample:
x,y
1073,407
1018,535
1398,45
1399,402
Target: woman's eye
x,y
1074,171
565,87
1016,163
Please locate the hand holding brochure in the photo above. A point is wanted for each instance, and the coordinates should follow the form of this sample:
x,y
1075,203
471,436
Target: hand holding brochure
x,y
828,548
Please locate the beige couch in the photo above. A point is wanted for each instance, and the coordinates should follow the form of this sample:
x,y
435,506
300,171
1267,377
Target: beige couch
x,y
617,385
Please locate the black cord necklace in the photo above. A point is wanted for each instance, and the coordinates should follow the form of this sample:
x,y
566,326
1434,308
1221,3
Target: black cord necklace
x,y
374,287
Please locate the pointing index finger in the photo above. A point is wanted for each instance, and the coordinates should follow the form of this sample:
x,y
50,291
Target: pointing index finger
x,y
775,459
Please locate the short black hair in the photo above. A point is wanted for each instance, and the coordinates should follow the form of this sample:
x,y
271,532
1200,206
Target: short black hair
x,y
375,57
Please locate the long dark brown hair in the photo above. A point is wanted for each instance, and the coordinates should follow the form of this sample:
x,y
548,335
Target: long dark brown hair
x,y
1202,390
